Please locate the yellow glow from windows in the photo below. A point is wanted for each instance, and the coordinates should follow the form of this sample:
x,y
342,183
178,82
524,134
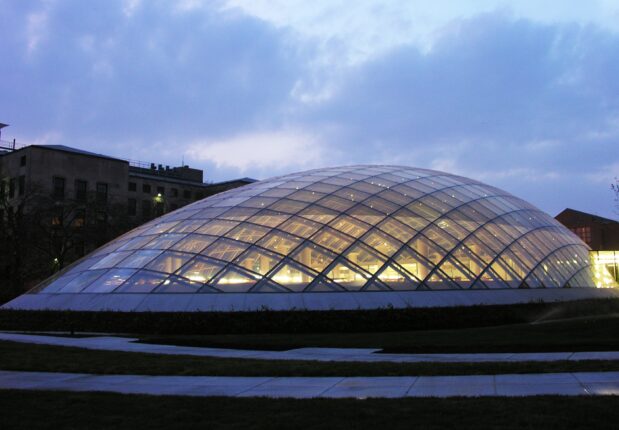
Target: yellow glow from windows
x,y
605,265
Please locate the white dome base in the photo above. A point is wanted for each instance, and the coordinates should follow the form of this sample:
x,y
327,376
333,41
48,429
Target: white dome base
x,y
239,302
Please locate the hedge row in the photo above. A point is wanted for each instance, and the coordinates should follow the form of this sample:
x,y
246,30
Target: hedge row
x,y
266,321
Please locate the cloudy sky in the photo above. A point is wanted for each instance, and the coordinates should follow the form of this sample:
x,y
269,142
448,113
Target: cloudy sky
x,y
523,95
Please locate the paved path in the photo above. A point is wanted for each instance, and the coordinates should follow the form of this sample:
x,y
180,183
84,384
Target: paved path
x,y
111,343
568,384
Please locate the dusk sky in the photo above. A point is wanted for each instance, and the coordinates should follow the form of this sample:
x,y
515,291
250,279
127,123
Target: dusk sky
x,y
523,95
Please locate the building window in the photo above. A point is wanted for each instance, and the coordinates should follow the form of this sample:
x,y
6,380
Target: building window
x,y
2,189
131,207
101,192
161,190
174,192
101,217
584,233
80,218
146,188
133,186
81,189
58,188
21,185
186,194
146,209
22,160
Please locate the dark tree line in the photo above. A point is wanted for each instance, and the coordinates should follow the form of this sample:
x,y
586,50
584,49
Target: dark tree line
x,y
41,234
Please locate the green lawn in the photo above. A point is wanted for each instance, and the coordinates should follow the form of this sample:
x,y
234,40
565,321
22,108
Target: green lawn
x,y
52,410
599,333
28,357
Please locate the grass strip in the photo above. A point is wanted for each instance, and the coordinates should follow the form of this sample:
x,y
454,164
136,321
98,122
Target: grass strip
x,y
45,358
577,334
43,410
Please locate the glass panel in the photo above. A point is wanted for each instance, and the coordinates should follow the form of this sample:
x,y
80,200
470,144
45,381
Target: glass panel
x,y
58,283
381,242
225,249
440,237
318,214
396,279
406,191
381,205
287,206
300,227
277,192
342,181
259,202
424,210
168,262
453,229
332,239
396,229
187,226
281,243
142,282
490,280
413,264
160,228
292,277
306,196
336,203
234,281
395,197
440,281
109,281
110,260
269,218
269,287
238,214
81,281
366,187
163,241
364,257
249,233
217,227
313,256
201,269
347,276
208,213
350,226
366,214
456,272
193,243
410,219
258,261
322,188
295,185
139,259
178,285
324,285
427,248
451,198
468,259
351,194
135,243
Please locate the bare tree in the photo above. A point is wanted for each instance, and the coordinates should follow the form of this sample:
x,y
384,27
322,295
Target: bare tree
x,y
615,188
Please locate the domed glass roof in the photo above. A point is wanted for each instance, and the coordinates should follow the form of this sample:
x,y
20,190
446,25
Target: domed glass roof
x,y
355,228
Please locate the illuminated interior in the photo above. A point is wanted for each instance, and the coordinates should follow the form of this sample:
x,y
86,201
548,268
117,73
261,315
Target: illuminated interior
x,y
356,228
605,268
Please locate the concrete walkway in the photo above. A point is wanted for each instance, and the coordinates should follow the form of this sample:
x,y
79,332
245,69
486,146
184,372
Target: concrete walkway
x,y
110,343
568,384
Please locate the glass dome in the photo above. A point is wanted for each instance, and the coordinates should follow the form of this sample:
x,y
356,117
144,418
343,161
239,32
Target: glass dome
x,y
355,228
